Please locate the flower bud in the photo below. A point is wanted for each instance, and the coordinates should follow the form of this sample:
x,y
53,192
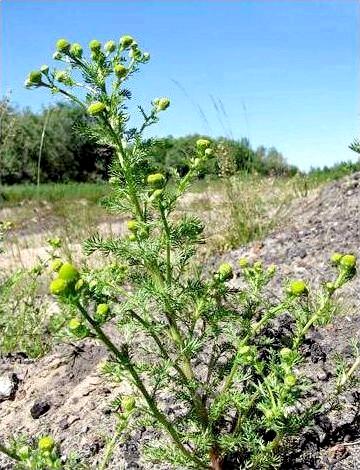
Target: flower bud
x,y
57,55
132,237
58,286
348,262
156,180
126,41
258,266
243,262
79,284
120,71
225,272
146,57
133,225
34,77
56,265
156,195
62,45
95,46
271,270
23,452
62,77
102,310
44,69
161,103
330,287
68,272
96,108
335,258
290,380
298,288
209,152
76,50
128,403
74,324
110,46
285,354
46,444
202,144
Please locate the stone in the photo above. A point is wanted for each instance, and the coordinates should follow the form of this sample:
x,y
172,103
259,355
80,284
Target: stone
x,y
8,384
39,408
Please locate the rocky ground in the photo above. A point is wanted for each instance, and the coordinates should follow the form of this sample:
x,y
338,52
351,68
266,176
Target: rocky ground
x,y
65,395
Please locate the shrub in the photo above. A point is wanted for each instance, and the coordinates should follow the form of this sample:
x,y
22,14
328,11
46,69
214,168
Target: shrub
x,y
186,338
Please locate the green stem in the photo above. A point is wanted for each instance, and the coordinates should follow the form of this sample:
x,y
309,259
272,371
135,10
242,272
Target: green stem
x,y
168,244
139,384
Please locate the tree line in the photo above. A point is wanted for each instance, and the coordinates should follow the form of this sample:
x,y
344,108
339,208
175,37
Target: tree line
x,y
46,146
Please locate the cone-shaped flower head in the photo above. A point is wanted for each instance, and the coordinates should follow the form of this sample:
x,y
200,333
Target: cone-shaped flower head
x,y
133,225
76,50
44,69
203,144
290,380
225,272
96,108
128,403
348,262
285,354
102,310
335,258
126,41
243,262
46,444
34,77
162,103
95,46
74,324
120,71
298,288
68,272
62,76
156,180
56,265
62,45
58,286
110,46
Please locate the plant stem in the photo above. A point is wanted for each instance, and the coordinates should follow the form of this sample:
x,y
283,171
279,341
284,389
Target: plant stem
x,y
168,244
139,384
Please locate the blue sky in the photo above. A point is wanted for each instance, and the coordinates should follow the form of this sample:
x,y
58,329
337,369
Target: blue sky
x,y
286,72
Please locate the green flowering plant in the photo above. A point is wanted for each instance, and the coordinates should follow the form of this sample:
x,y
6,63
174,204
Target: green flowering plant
x,y
40,454
185,338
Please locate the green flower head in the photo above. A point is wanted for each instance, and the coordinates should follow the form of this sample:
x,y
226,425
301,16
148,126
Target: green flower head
x,y
62,45
110,46
79,284
285,354
290,380
243,262
209,152
58,286
156,195
68,272
76,50
120,71
335,258
95,46
56,265
46,444
23,452
348,262
34,77
62,76
225,272
162,104
133,225
126,41
202,144
128,403
298,288
74,324
156,180
102,310
96,108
